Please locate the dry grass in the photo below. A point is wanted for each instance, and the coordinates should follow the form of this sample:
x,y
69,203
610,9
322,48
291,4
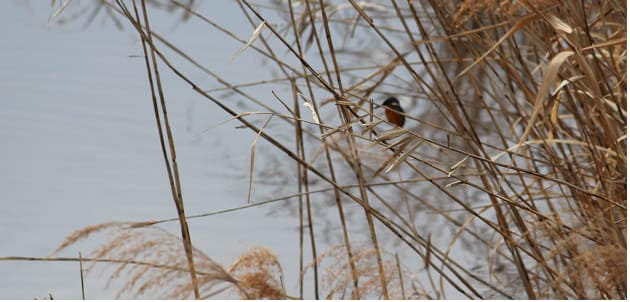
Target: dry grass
x,y
508,181
163,271
338,281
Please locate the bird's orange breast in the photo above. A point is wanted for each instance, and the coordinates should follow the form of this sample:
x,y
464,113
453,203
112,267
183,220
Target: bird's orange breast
x,y
394,117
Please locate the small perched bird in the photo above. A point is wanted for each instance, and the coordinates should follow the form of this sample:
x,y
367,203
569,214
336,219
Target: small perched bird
x,y
393,112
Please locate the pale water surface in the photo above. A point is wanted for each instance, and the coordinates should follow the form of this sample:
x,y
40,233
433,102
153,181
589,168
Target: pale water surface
x,y
79,146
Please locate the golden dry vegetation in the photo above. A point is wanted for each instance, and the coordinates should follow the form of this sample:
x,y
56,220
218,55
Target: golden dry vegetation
x,y
507,181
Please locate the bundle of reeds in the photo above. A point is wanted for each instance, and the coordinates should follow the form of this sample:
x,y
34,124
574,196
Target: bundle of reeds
x,y
508,179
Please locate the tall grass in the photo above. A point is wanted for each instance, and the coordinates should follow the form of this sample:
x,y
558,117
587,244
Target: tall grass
x,y
508,180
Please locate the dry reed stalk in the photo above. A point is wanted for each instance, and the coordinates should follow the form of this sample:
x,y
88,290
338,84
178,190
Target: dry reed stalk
x,y
337,197
170,157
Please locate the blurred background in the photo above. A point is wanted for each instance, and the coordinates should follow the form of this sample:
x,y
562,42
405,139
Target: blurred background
x,y
80,145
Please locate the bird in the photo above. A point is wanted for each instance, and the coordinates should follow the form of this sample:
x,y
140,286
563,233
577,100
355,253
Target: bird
x,y
393,112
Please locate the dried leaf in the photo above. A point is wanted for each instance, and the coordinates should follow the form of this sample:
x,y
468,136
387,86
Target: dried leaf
x,y
404,155
558,24
310,107
563,83
457,165
549,76
390,134
251,40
